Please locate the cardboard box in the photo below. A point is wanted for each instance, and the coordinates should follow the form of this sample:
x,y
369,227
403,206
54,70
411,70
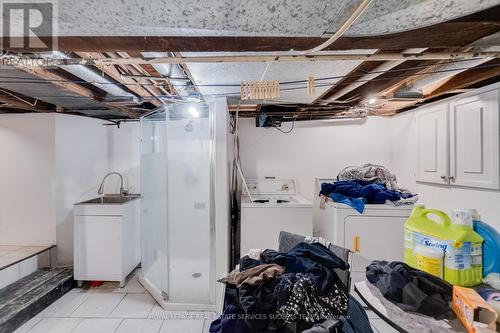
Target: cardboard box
x,y
472,310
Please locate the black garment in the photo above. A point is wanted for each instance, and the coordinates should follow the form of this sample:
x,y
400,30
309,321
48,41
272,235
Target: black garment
x,y
325,293
314,259
356,320
259,302
233,318
305,303
328,326
412,289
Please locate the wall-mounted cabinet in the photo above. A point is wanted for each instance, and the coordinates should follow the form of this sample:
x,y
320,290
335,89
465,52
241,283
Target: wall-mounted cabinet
x,y
433,147
458,141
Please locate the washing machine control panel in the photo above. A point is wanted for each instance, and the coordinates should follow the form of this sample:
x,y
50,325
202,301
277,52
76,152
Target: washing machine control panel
x,y
271,186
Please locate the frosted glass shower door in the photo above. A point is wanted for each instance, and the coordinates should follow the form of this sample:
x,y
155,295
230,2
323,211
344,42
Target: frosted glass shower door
x,y
190,203
154,207
178,223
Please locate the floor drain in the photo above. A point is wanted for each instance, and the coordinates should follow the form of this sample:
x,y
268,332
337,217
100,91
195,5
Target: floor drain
x,y
196,275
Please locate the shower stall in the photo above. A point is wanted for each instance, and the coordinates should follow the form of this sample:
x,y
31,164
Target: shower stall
x,y
184,181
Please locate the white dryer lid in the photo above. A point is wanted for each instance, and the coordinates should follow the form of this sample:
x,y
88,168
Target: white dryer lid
x,y
272,186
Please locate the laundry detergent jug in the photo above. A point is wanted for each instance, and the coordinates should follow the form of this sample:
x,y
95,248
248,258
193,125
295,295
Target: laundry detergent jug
x,y
461,246
491,245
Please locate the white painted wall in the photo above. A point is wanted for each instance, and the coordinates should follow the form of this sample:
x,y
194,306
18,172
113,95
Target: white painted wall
x,y
80,163
124,147
36,205
404,143
312,149
48,162
27,208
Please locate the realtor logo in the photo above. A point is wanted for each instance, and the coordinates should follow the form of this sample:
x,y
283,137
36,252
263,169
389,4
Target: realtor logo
x,y
28,26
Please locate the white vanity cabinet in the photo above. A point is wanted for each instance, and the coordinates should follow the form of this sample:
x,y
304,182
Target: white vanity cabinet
x,y
107,239
458,140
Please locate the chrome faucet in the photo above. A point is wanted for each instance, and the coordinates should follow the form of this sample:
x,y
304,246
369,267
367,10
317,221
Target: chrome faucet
x,y
123,191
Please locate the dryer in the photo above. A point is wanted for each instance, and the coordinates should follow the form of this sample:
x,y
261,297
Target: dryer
x,y
272,205
377,234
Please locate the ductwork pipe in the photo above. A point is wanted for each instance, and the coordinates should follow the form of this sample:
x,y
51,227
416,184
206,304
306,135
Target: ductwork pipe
x,y
183,87
90,75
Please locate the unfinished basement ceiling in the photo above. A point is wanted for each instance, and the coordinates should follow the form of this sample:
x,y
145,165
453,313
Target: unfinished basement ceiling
x,y
253,18
116,40
225,74
15,80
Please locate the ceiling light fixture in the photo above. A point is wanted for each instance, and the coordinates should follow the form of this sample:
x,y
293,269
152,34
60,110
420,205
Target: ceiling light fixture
x,y
194,111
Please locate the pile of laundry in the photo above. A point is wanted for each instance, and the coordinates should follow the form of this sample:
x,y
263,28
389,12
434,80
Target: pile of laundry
x,y
369,183
411,289
278,292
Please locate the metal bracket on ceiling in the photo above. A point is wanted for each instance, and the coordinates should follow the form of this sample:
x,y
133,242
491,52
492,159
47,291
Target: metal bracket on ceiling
x,y
113,123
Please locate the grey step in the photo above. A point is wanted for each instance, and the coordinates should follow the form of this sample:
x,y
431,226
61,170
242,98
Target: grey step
x,y
24,299
24,285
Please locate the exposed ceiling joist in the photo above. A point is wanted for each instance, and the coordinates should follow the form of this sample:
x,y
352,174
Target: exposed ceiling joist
x,y
13,100
150,71
154,89
353,79
450,34
388,81
111,71
453,85
59,81
75,88
467,78
264,58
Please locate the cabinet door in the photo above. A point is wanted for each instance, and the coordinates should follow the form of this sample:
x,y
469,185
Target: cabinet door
x,y
474,141
98,248
433,144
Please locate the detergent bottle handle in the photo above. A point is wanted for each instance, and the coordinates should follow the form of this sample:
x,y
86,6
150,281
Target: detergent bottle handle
x,y
445,220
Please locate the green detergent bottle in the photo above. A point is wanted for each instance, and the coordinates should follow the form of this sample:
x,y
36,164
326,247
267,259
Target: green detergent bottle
x,y
461,246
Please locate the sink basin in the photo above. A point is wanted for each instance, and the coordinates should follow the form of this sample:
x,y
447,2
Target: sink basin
x,y
109,200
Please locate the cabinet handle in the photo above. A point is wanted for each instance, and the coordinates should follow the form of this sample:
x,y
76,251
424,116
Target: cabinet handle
x,y
356,242
452,179
443,178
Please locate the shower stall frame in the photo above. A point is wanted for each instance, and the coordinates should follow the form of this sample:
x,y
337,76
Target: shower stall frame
x,y
219,212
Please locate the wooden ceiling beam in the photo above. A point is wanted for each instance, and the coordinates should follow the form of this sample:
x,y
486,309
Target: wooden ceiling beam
x,y
130,84
454,33
389,80
17,101
153,88
353,76
453,85
60,81
468,78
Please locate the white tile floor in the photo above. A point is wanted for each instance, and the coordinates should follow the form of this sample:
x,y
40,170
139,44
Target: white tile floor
x,y
127,310
112,309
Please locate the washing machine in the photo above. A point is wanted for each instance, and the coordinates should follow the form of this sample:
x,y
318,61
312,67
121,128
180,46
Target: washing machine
x,y
269,206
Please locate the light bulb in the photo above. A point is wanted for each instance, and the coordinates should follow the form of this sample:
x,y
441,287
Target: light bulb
x,y
194,111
